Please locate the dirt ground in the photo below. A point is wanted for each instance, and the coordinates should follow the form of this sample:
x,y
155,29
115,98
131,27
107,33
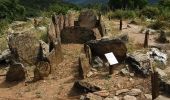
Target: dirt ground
x,y
59,86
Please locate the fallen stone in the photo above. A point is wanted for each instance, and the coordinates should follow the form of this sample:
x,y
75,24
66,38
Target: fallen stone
x,y
91,96
125,71
134,92
127,97
102,93
112,98
90,74
97,62
86,86
148,96
122,91
140,63
158,55
16,72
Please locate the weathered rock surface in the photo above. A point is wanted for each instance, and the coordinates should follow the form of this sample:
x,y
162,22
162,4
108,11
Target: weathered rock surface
x,y
118,92
127,97
43,69
100,47
16,73
91,96
86,87
24,47
87,19
77,35
84,66
139,62
5,55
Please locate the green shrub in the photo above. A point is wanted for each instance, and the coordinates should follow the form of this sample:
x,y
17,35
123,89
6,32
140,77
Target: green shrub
x,y
150,12
157,25
125,14
3,26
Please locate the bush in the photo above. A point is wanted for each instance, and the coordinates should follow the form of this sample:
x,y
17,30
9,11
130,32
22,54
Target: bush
x,y
3,26
157,25
150,12
125,14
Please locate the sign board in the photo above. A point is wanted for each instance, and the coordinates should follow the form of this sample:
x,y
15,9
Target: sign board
x,y
111,58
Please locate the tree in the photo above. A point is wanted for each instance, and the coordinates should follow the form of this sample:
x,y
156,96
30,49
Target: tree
x,y
127,4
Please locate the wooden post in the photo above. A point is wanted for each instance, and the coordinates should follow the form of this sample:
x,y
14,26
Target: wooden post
x,y
155,85
110,69
120,28
146,39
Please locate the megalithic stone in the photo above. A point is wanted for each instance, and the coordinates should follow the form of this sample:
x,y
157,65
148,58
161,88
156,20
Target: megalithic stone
x,y
61,22
66,24
70,19
155,85
121,23
146,39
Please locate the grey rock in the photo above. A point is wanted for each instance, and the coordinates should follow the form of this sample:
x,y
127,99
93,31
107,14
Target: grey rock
x,y
91,96
134,92
148,96
121,91
127,97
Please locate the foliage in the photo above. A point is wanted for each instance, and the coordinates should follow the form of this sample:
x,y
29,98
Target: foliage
x,y
127,4
164,3
150,12
125,14
157,25
10,9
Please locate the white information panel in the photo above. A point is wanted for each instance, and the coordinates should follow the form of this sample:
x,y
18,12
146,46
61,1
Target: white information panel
x,y
111,58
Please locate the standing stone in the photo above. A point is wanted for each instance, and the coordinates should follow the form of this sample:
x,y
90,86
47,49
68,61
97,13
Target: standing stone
x,y
87,19
70,20
43,69
61,22
51,32
16,72
56,21
101,47
66,21
146,39
24,47
162,38
84,66
121,24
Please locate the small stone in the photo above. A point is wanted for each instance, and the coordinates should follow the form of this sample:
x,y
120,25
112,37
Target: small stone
x,y
132,74
112,98
89,74
124,71
103,93
148,96
134,92
91,96
130,79
82,97
127,97
121,91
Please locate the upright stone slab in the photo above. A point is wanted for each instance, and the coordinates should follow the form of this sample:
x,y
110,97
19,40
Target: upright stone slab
x,y
55,56
51,32
24,47
16,72
100,47
61,22
87,19
84,66
77,35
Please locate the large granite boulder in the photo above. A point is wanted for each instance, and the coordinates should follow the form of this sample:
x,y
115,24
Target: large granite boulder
x,y
24,47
